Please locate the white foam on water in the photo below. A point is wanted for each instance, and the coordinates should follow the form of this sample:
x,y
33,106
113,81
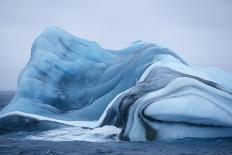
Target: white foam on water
x,y
100,134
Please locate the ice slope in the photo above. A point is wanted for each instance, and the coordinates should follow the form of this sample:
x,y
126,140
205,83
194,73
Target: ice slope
x,y
146,90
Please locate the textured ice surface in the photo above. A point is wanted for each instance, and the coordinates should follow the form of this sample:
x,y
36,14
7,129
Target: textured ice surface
x,y
146,90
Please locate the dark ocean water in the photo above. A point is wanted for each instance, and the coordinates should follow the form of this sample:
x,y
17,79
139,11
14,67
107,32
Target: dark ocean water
x,y
17,143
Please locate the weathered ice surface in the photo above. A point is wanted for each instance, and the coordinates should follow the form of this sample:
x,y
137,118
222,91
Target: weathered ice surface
x,y
147,91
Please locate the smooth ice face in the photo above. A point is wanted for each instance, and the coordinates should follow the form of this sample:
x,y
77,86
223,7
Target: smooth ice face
x,y
146,90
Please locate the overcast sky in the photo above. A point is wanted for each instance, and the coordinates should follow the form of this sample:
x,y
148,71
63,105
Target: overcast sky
x,y
198,30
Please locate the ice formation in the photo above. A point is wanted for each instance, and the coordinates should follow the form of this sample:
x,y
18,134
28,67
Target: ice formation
x,y
147,91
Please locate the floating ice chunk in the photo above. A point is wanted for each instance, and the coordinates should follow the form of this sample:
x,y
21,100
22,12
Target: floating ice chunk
x,y
72,84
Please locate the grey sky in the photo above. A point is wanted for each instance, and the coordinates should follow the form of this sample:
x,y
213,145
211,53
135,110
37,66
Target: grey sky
x,y
198,30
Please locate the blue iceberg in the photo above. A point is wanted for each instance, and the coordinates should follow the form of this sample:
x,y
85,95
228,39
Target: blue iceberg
x,y
147,91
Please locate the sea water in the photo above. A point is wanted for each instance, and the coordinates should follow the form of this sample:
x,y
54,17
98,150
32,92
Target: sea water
x,y
74,140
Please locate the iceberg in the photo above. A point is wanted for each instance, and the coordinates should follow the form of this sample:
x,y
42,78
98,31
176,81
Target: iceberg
x,y
146,90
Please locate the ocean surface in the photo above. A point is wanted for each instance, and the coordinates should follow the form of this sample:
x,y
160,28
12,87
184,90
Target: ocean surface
x,y
100,141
